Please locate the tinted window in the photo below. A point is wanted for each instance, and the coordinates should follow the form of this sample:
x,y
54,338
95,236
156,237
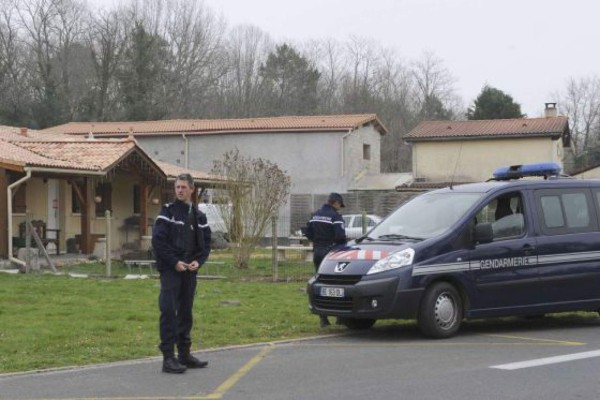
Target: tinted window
x,y
553,216
576,210
567,211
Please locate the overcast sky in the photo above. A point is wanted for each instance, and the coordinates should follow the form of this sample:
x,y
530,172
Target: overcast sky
x,y
526,48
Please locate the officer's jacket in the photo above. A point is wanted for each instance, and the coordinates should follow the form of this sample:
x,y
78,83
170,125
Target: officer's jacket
x,y
326,227
168,235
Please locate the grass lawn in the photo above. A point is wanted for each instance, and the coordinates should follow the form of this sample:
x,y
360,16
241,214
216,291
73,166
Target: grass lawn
x,y
53,321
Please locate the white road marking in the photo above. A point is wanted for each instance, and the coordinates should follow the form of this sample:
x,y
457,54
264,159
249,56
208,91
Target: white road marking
x,y
548,360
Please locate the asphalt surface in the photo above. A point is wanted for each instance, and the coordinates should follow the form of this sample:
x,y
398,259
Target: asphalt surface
x,y
484,361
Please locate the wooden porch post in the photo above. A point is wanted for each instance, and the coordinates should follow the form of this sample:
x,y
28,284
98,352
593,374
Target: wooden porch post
x,y
87,210
3,214
143,209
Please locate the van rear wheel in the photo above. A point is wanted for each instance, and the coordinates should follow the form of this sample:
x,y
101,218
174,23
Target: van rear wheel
x,y
441,312
357,324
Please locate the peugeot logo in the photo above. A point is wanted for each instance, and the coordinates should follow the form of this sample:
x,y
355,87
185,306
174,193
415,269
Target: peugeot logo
x,y
340,267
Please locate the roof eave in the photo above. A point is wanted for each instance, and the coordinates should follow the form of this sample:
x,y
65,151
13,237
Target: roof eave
x,y
553,135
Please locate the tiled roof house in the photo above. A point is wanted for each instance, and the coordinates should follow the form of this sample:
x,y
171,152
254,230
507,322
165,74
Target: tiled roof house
x,y
321,154
469,151
46,171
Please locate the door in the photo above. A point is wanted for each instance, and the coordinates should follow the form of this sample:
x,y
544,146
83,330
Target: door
x,y
503,273
569,245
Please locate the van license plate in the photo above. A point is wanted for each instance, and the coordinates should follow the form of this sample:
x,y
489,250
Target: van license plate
x,y
332,292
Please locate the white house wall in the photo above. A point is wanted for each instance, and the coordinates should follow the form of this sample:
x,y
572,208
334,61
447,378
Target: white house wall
x,y
313,160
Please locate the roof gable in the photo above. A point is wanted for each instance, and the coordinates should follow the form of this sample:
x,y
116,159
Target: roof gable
x,y
327,123
553,127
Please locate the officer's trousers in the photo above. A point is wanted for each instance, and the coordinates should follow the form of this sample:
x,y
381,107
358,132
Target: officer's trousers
x,y
319,253
176,300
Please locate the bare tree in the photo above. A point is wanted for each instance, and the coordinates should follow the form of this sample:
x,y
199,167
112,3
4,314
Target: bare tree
x,y
194,36
580,101
247,48
54,32
14,80
435,95
254,190
327,56
106,40
362,59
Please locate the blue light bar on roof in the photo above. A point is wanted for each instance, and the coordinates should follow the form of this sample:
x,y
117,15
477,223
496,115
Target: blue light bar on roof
x,y
523,170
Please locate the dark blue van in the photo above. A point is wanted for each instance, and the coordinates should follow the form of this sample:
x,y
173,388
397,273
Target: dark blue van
x,y
510,246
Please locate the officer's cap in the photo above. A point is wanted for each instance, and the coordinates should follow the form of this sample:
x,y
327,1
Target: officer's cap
x,y
333,197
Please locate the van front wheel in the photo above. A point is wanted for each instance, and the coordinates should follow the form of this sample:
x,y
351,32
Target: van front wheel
x,y
441,311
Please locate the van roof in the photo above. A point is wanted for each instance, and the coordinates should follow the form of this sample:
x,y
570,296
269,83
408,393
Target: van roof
x,y
484,187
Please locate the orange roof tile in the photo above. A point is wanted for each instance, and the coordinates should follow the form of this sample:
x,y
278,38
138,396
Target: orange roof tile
x,y
93,155
15,155
14,133
477,129
216,126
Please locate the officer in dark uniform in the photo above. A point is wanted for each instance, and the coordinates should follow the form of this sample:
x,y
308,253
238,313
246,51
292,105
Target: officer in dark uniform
x,y
181,244
326,230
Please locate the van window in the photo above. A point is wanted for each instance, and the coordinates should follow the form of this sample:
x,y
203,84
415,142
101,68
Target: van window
x,y
505,213
565,212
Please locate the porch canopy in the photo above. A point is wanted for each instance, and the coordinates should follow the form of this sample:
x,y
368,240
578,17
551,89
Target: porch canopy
x,y
82,163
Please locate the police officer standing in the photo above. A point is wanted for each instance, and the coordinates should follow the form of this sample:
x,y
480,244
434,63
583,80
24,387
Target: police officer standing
x,y
181,244
326,229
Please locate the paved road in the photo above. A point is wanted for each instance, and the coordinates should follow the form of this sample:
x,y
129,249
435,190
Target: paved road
x,y
485,361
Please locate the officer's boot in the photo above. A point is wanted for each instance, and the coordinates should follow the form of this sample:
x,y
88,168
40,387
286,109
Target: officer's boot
x,y
188,360
171,365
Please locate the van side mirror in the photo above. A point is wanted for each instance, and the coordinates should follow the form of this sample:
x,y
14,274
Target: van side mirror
x,y
484,233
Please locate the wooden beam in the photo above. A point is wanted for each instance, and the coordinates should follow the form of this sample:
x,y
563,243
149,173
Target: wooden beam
x,y
78,193
4,214
12,167
87,211
144,189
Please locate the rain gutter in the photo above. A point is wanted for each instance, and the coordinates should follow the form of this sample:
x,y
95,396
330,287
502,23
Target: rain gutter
x,y
342,147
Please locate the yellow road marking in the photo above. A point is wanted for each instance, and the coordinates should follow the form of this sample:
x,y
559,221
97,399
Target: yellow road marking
x,y
233,379
548,341
217,394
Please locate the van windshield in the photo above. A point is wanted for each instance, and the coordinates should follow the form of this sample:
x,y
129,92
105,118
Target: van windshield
x,y
425,216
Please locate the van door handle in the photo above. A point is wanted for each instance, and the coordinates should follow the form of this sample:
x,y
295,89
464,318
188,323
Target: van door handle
x,y
528,249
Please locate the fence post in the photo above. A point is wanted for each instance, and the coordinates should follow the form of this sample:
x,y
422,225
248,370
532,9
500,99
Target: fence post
x,y
274,248
107,254
364,222
27,241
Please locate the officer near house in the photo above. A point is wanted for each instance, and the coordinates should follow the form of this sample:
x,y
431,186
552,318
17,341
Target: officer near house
x,y
325,229
181,243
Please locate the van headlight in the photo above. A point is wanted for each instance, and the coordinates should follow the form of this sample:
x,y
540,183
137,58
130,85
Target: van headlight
x,y
396,260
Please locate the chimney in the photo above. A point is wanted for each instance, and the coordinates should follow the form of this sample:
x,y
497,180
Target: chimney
x,y
550,110
23,131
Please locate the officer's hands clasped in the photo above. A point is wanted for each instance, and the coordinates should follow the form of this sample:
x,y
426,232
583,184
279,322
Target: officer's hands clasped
x,y
182,266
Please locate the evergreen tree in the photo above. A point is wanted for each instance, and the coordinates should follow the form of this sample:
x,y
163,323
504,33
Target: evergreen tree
x,y
493,103
291,83
144,76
